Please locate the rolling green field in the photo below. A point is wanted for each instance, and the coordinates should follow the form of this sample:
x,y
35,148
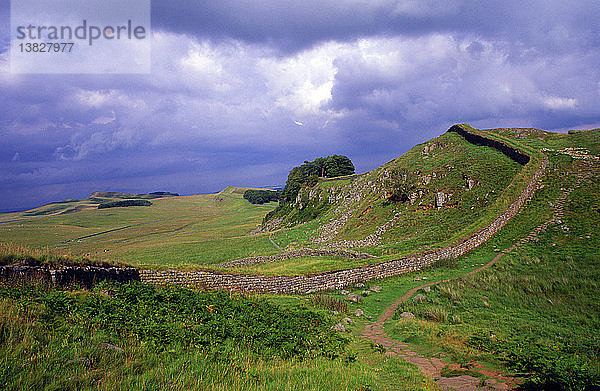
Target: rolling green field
x,y
205,230
174,231
535,314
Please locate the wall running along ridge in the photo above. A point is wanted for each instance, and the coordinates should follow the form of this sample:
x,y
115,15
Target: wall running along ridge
x,y
338,279
332,280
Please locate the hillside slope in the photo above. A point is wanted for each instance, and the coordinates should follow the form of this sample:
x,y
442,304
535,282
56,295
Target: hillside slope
x,y
173,231
435,194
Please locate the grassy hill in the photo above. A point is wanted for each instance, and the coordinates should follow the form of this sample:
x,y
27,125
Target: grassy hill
x,y
432,196
533,315
173,231
356,208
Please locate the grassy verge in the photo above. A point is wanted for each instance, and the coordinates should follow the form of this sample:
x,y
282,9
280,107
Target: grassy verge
x,y
18,255
302,265
536,311
133,336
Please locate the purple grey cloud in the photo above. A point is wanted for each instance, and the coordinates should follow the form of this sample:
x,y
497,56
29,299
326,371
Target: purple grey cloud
x,y
239,94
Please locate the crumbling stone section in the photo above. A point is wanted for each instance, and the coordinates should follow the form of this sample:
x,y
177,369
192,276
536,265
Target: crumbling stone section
x,y
305,252
373,239
440,199
86,276
344,210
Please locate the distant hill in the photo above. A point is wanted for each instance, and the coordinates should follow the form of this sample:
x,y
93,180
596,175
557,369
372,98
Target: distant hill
x,y
113,194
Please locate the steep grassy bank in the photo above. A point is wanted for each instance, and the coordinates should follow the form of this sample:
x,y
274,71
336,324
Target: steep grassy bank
x,y
537,311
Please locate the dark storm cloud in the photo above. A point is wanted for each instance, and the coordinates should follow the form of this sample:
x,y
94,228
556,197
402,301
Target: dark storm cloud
x,y
292,25
240,92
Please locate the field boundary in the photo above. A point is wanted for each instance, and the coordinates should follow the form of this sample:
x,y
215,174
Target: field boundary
x,y
85,276
535,165
303,252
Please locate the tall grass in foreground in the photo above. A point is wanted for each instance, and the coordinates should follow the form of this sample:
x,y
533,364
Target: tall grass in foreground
x,y
17,254
330,303
134,337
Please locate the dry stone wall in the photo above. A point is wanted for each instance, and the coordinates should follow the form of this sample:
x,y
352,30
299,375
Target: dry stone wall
x,y
341,278
514,154
333,280
86,276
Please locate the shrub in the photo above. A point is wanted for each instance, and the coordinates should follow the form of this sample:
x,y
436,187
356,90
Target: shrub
x,y
448,292
557,367
331,303
117,204
437,314
262,196
399,184
168,317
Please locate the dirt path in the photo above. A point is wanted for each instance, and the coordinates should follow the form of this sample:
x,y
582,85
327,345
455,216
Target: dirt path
x,y
433,366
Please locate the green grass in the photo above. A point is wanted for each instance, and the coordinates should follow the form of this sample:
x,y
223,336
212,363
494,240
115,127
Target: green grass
x,y
498,181
201,231
186,254
296,237
192,230
540,303
302,265
540,296
536,312
132,336
12,254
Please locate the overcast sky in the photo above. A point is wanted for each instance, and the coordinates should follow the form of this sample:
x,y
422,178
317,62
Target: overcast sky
x,y
242,91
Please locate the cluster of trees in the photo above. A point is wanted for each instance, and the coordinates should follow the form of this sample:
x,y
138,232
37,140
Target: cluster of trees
x,y
116,204
262,196
163,194
308,174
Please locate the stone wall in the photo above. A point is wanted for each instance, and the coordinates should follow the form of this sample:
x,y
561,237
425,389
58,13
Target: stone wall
x,y
85,276
341,278
514,154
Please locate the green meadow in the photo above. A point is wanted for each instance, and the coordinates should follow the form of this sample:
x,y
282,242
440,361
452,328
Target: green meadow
x,y
534,315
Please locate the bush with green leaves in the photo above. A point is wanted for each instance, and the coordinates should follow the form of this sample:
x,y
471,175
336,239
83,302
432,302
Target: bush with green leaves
x,y
262,196
167,317
308,173
552,367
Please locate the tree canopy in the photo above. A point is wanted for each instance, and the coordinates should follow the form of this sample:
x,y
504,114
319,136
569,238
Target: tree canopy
x,y
261,196
309,172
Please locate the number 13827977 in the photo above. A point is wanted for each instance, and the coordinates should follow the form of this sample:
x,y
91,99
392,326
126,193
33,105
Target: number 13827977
x,y
43,47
